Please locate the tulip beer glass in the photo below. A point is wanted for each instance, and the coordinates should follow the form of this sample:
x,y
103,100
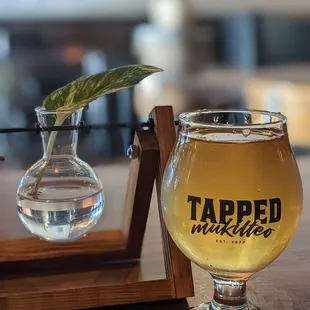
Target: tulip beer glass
x,y
231,196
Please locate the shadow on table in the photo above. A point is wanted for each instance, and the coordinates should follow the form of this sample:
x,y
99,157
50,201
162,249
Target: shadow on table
x,y
180,304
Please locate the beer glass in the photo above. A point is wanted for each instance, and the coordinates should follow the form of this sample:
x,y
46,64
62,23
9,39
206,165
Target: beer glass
x,y
231,196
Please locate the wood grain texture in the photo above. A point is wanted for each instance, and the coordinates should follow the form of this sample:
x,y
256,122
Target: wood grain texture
x,y
139,190
33,248
86,297
177,265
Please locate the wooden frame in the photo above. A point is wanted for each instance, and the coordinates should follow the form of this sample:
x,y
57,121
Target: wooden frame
x,y
108,253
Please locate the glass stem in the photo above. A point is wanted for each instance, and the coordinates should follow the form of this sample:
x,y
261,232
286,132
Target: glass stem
x,y
229,295
49,151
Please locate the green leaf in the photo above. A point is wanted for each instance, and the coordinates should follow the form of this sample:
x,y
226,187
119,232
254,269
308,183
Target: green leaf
x,y
82,91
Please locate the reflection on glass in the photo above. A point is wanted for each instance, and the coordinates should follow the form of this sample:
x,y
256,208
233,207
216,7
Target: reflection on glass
x,y
232,196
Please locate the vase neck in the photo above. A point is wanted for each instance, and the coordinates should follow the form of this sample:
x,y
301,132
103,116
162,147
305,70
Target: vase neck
x,y
66,141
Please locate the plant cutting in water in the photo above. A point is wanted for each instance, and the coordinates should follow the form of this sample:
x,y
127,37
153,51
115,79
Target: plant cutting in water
x,y
81,92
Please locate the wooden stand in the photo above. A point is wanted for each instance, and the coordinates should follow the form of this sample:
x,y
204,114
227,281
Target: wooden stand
x,y
104,268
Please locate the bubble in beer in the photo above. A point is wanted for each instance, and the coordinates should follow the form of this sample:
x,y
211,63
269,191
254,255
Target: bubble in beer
x,y
246,132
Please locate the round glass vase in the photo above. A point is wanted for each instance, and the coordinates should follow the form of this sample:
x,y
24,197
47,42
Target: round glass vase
x,y
60,198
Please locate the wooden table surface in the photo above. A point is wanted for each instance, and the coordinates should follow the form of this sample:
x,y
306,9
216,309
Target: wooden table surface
x,y
284,285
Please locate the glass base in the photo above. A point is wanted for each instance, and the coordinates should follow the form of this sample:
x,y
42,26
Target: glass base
x,y
215,306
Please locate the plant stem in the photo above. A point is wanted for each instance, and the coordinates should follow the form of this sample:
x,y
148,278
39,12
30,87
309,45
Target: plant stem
x,y
49,150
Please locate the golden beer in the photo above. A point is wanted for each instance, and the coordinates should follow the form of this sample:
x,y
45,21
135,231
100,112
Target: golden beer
x,y
232,199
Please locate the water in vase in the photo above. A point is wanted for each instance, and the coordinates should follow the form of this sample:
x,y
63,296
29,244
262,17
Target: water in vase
x,y
77,208
60,198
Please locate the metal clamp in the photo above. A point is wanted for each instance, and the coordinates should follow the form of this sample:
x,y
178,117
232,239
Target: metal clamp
x,y
133,151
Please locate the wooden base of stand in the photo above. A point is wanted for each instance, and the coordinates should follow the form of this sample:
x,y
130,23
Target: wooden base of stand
x,y
104,268
88,287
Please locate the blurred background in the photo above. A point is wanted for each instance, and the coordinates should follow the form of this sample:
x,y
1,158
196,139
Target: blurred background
x,y
215,54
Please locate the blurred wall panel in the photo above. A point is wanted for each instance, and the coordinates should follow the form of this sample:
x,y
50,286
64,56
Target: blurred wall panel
x,y
283,39
239,40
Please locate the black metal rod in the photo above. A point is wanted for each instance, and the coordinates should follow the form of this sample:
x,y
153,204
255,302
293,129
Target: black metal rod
x,y
81,127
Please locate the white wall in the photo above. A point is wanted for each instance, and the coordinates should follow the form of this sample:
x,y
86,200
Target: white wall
x,y
80,9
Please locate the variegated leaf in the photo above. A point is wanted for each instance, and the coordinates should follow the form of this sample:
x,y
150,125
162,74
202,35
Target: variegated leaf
x,y
82,91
